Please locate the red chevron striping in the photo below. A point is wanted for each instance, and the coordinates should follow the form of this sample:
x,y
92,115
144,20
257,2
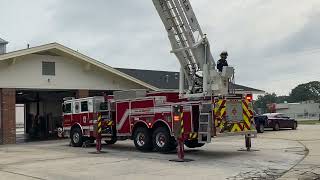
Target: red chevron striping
x,y
245,104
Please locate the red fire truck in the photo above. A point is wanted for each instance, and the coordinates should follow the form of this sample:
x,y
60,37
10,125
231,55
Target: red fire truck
x,y
210,106
148,119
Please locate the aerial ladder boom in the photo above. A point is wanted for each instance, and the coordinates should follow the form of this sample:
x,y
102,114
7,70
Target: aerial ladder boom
x,y
191,47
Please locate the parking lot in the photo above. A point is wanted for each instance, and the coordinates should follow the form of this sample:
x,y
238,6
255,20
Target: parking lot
x,y
285,153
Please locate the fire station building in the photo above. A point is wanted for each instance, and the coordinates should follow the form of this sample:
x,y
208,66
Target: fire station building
x,y
34,81
37,79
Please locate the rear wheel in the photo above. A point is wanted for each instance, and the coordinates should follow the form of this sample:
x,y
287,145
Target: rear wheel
x,y
193,143
142,139
260,128
112,141
162,141
294,126
76,137
276,127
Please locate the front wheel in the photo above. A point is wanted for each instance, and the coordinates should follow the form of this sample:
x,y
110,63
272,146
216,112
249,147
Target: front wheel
x,y
294,126
142,139
162,141
76,137
261,128
276,127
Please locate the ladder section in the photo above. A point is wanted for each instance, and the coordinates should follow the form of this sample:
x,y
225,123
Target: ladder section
x,y
205,124
184,34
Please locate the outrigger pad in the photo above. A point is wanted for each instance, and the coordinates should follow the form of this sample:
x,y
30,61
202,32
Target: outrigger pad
x,y
251,150
181,160
96,152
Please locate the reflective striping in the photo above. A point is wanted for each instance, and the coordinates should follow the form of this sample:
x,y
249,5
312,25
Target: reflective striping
x,y
235,128
193,135
123,119
181,124
109,123
99,123
220,113
247,115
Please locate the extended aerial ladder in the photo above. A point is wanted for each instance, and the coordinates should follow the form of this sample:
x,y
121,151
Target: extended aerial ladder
x,y
192,48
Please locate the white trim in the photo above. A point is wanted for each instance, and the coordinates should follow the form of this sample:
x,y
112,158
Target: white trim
x,y
123,119
69,51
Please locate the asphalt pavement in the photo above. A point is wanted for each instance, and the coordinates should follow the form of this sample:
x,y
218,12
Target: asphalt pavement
x,y
287,154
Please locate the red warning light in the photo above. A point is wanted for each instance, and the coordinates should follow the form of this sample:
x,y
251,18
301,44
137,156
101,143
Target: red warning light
x,y
249,97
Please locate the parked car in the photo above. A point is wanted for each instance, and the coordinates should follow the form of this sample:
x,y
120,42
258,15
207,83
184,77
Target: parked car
x,y
261,122
278,121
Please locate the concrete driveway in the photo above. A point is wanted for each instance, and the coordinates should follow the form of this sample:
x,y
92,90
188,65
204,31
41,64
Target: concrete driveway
x,y
274,154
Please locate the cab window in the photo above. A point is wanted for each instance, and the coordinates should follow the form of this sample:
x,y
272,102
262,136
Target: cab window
x,y
84,106
67,108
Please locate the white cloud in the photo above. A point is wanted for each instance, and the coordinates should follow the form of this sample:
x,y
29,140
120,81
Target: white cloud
x,y
263,37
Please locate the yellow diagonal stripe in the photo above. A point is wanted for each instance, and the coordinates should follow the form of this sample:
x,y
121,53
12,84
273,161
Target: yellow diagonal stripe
x,y
245,109
245,118
195,135
235,128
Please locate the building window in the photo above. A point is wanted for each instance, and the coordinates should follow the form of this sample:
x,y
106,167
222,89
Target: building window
x,y
48,68
84,106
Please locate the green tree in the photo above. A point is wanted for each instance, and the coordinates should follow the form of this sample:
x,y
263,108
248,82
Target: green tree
x,y
262,102
305,92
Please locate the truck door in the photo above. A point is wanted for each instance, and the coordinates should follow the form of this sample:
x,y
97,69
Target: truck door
x,y
84,112
67,113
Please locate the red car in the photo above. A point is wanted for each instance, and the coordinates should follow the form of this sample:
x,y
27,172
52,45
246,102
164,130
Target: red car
x,y
278,121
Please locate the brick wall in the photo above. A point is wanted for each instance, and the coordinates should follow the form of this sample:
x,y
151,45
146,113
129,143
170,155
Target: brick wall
x,y
8,119
82,93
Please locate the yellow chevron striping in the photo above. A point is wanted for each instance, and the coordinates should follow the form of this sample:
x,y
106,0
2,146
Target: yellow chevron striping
x,y
235,128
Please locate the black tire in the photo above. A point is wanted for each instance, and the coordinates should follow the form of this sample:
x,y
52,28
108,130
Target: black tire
x,y
295,125
76,137
260,128
276,127
112,141
162,140
193,143
142,139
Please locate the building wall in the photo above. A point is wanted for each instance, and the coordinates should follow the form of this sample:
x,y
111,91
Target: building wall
x,y
7,116
300,111
26,72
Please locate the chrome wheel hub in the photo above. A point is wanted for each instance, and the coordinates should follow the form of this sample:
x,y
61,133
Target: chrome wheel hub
x,y
76,137
140,139
160,140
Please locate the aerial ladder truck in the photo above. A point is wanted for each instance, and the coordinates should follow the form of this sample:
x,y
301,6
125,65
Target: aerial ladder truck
x,y
204,108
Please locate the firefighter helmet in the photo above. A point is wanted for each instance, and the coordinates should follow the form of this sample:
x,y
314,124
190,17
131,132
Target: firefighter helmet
x,y
224,53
